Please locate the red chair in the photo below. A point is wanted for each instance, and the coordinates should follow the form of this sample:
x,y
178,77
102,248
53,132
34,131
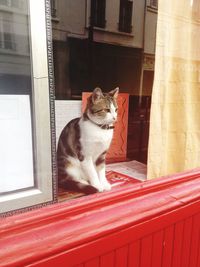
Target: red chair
x,y
118,149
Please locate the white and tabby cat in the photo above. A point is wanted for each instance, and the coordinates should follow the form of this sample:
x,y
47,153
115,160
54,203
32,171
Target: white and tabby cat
x,y
84,142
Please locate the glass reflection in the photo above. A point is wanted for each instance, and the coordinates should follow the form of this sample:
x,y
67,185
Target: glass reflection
x,y
16,141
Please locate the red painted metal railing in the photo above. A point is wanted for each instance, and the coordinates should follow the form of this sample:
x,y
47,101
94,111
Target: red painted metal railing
x,y
150,224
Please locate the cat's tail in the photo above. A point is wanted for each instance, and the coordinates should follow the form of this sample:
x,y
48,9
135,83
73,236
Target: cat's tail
x,y
78,187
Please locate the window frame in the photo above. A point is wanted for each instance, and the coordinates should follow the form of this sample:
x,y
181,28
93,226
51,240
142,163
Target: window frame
x,y
99,9
45,189
125,23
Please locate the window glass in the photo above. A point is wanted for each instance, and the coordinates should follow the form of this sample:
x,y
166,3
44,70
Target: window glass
x,y
16,137
125,16
98,8
26,142
106,44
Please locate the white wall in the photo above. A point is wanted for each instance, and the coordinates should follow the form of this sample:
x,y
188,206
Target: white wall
x,y
71,17
150,32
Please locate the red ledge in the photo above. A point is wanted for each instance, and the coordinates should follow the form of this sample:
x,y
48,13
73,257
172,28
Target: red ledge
x,y
44,233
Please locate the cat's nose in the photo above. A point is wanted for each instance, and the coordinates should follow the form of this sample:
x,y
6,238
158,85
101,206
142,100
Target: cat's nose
x,y
114,118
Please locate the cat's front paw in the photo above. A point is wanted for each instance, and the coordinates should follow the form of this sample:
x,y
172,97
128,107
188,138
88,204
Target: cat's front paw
x,y
98,186
106,186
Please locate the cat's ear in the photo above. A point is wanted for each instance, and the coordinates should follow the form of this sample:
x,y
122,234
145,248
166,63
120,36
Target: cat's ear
x,y
97,94
114,93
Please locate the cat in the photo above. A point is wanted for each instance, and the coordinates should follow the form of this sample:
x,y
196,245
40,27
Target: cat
x,y
83,144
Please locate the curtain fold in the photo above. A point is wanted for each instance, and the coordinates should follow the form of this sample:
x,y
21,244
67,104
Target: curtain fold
x,y
174,140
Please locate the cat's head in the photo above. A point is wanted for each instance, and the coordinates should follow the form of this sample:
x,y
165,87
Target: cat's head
x,y
102,107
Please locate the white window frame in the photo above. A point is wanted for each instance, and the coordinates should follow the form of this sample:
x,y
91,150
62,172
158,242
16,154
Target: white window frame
x,y
43,115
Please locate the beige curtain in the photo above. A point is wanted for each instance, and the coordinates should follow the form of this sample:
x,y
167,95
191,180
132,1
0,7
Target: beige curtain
x,y
174,141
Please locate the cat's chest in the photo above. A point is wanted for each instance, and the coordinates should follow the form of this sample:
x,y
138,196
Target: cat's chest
x,y
94,140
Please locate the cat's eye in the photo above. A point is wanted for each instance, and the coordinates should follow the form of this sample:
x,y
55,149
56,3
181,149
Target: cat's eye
x,y
103,109
106,109
116,109
98,111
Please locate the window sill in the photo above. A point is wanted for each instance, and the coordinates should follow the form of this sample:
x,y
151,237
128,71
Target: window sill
x,y
104,30
152,9
69,231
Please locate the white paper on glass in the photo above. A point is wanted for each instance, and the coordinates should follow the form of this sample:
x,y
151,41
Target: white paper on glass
x,y
16,149
65,111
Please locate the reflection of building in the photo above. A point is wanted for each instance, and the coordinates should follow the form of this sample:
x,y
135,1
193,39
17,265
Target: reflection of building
x,y
14,46
107,44
149,46
140,106
123,36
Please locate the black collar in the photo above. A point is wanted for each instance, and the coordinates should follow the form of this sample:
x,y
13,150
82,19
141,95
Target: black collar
x,y
102,126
